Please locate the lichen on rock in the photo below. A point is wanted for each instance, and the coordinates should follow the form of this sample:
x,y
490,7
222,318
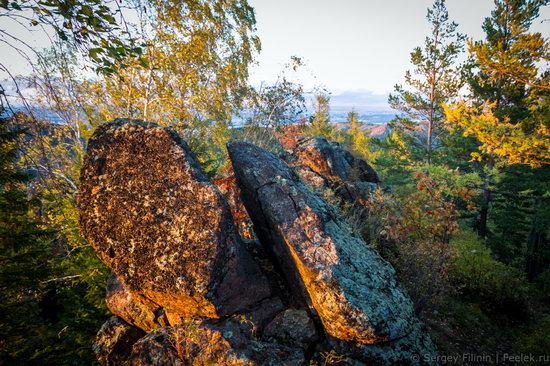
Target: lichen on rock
x,y
144,315
160,224
351,288
181,272
326,165
114,341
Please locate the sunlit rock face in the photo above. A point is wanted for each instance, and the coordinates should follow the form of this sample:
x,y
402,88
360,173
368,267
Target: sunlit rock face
x,y
351,288
158,222
323,164
144,315
332,162
181,273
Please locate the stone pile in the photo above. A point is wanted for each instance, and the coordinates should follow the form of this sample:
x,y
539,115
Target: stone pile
x,y
187,290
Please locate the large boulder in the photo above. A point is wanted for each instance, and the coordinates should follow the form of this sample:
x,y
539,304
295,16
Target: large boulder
x,y
351,288
157,221
331,161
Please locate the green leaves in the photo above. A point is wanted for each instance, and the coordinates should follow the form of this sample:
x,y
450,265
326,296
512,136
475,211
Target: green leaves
x,y
509,89
94,52
88,24
434,80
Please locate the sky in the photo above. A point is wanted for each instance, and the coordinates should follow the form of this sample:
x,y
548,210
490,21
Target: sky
x,y
357,49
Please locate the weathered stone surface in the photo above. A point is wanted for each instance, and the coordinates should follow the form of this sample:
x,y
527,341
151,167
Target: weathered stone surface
x,y
323,164
292,326
352,289
122,304
416,348
155,349
113,344
168,234
331,161
159,223
198,343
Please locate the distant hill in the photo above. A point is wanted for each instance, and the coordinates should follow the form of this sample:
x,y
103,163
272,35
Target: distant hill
x,y
379,130
371,108
376,118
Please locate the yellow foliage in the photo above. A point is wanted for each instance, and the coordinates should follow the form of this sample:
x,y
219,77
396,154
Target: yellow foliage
x,y
500,137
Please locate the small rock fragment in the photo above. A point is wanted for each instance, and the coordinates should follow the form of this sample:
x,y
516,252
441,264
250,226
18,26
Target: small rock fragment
x,y
292,326
114,341
121,303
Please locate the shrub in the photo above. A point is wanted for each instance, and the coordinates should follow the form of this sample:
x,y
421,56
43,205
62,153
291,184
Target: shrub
x,y
477,274
542,285
537,341
413,229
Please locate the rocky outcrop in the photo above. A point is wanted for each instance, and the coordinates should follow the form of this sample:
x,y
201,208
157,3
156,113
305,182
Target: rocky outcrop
x,y
306,289
331,161
351,288
322,164
158,222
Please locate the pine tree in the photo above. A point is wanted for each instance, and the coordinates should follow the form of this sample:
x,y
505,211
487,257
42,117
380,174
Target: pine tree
x,y
24,260
508,107
320,121
436,79
510,103
51,290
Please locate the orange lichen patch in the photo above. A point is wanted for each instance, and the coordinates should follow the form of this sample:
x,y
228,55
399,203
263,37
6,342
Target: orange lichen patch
x,y
185,306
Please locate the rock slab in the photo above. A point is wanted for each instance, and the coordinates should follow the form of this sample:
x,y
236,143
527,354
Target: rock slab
x,y
331,161
114,342
351,288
